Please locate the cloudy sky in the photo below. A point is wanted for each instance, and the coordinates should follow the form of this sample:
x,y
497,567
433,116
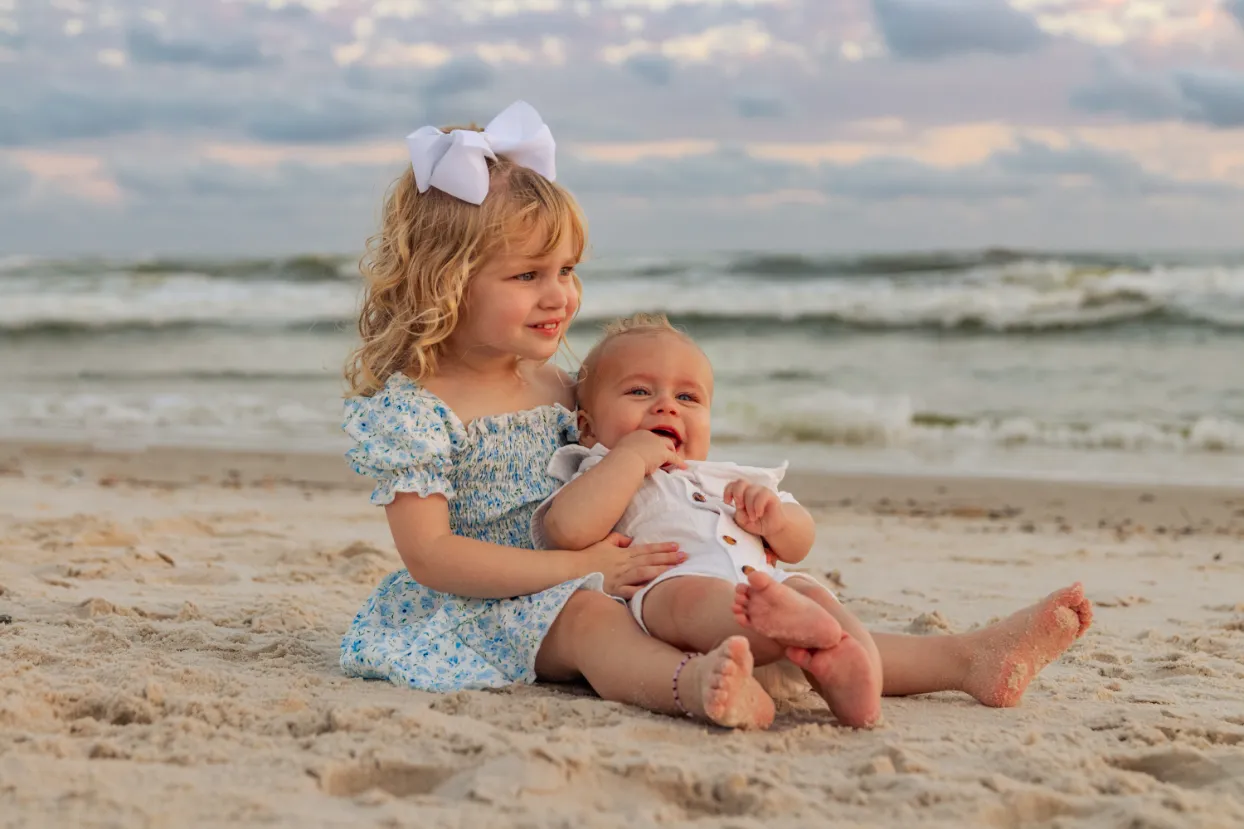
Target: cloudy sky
x,y
251,126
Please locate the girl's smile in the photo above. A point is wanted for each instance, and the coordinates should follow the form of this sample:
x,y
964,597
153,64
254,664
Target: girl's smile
x,y
552,328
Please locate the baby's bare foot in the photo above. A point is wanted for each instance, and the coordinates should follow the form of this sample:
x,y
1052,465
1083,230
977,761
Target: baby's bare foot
x,y
845,678
719,686
774,610
1007,655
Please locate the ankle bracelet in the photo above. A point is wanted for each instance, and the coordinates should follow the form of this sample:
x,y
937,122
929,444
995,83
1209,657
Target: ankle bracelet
x,y
677,672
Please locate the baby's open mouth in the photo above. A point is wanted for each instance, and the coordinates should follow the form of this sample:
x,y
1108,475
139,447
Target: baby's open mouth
x,y
667,432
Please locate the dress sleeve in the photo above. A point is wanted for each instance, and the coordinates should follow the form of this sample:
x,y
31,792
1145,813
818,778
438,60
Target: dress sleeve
x,y
402,442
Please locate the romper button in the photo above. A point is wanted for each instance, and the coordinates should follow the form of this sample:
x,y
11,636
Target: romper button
x,y
729,540
699,496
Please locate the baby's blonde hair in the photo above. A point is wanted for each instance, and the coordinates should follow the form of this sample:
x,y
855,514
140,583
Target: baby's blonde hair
x,y
418,266
641,323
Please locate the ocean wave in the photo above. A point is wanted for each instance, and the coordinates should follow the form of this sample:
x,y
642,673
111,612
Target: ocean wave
x,y
227,375
193,419
1022,298
313,267
1018,296
826,418
294,269
176,302
300,268
838,419
792,265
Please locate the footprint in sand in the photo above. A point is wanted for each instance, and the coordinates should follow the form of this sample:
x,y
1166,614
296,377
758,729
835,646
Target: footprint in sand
x,y
394,777
1188,769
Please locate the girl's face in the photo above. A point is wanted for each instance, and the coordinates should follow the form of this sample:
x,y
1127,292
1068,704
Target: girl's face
x,y
519,304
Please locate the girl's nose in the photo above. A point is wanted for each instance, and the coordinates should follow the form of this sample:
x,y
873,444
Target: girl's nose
x,y
557,297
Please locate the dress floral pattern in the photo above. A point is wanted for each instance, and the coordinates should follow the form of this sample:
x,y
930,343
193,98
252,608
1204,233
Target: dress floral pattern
x,y
493,473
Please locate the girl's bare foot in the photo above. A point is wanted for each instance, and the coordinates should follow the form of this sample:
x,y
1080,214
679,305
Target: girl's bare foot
x,y
844,677
1007,655
774,610
719,687
782,680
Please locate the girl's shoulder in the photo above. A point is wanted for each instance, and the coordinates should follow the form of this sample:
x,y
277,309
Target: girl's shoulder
x,y
402,406
559,384
410,440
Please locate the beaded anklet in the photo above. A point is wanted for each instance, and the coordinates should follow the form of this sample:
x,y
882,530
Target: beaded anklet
x,y
677,673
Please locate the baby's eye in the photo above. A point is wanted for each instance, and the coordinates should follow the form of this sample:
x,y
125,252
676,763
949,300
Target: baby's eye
x,y
639,391
689,396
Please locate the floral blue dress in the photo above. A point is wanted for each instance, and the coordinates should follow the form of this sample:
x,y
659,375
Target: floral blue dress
x,y
493,473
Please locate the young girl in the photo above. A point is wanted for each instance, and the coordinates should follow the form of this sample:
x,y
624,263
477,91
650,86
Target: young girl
x,y
641,467
456,412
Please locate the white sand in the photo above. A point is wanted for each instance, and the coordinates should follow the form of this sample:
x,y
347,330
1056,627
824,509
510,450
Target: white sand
x,y
172,661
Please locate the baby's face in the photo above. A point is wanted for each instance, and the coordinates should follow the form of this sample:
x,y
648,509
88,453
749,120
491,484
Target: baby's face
x,y
655,381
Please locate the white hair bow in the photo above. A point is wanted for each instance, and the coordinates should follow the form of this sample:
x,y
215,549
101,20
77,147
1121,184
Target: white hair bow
x,y
456,162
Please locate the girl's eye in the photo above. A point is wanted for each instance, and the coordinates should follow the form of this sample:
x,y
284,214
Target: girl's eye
x,y
568,271
525,277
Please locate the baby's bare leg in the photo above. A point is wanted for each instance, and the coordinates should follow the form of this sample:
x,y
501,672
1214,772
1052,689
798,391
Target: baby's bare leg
x,y
785,615
696,613
847,675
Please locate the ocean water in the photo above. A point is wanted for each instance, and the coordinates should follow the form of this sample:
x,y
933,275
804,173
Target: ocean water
x,y
989,362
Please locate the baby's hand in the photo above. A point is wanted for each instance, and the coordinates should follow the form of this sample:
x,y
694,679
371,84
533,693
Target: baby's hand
x,y
653,449
758,510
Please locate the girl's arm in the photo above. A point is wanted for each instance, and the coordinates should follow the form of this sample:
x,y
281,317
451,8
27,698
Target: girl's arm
x,y
586,509
449,563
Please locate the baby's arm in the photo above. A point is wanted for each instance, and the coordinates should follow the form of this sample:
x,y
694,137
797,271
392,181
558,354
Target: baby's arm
x,y
787,528
793,541
586,509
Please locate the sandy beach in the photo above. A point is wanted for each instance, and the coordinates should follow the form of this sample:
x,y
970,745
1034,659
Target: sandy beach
x,y
168,658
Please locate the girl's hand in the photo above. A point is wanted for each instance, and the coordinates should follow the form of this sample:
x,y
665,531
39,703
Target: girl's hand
x,y
655,451
626,568
758,510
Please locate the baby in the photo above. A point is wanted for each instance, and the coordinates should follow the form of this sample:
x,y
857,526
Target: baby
x,y
645,393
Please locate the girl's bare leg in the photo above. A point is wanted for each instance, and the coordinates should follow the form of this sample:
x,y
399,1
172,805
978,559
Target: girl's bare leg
x,y
993,664
596,638
695,613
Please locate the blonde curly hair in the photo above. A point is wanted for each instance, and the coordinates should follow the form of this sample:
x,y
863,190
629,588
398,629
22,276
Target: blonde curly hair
x,y
418,266
641,323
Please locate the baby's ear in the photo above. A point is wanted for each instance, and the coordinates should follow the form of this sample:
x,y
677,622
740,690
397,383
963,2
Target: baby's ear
x,y
586,438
